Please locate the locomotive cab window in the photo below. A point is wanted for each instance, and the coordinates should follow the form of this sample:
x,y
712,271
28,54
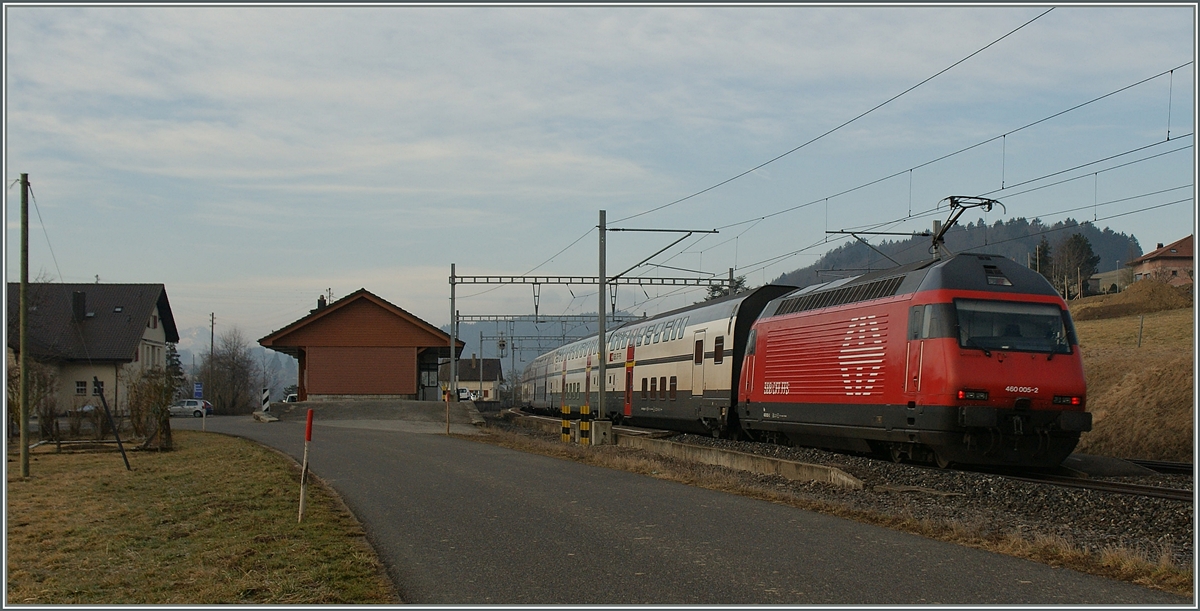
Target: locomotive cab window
x,y
1008,325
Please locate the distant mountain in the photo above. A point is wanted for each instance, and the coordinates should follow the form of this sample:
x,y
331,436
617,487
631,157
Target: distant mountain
x,y
1016,239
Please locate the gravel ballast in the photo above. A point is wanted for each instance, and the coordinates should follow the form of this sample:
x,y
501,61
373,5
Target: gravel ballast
x,y
985,503
1088,519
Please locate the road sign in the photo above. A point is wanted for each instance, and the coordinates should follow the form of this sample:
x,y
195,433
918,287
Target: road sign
x,y
198,391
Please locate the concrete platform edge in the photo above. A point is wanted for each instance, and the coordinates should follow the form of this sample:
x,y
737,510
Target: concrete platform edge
x,y
741,461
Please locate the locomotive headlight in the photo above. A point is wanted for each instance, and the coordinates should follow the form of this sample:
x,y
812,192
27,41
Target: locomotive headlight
x,y
973,395
1062,400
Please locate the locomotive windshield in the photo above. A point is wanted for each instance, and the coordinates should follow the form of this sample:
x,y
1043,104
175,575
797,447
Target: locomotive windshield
x,y
1007,325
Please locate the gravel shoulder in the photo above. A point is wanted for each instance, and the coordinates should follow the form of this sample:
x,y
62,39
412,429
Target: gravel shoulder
x,y
1091,520
987,504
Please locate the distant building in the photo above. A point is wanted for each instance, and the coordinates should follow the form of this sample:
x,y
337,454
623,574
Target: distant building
x,y
480,376
362,346
1173,264
93,338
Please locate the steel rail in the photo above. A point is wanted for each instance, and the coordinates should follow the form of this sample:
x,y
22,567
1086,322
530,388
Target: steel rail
x,y
1173,494
1162,466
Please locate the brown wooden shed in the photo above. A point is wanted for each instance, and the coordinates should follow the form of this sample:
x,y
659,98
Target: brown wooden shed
x,y
362,346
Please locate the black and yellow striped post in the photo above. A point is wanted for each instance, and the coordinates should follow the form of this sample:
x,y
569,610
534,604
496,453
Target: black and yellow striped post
x,y
566,423
585,425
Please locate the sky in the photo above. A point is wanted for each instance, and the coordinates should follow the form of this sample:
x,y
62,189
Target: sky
x,y
252,158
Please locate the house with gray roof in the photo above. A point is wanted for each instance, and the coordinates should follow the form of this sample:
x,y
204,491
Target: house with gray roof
x,y
94,337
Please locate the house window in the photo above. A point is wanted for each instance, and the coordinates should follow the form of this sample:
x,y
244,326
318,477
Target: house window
x,y
674,387
80,387
97,388
153,324
719,349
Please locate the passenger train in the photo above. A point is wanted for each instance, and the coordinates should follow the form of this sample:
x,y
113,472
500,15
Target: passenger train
x,y
969,359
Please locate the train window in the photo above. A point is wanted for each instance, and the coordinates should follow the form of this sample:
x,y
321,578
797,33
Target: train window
x,y
653,388
698,355
939,321
669,331
751,342
916,315
645,387
674,387
719,349
1008,325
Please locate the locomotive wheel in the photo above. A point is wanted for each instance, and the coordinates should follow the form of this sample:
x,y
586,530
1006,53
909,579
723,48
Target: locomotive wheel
x,y
940,461
897,454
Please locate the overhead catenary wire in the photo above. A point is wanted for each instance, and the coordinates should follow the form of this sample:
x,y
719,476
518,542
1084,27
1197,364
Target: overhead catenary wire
x,y
957,152
863,114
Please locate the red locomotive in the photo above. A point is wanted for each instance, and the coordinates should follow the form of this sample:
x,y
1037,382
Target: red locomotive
x,y
967,358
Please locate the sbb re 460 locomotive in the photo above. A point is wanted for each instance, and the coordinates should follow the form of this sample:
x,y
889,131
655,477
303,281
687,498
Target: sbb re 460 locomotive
x,y
967,358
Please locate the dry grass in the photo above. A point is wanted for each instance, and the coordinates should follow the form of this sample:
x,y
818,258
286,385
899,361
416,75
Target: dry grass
x,y
1114,563
213,522
1141,399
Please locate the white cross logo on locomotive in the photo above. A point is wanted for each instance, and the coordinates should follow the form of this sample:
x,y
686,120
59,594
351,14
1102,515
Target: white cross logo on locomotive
x,y
861,355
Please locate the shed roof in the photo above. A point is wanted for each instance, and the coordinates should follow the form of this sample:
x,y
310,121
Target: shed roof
x,y
114,323
279,341
468,370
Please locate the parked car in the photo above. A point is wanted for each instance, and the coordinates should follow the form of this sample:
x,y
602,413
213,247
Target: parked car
x,y
465,395
292,398
197,408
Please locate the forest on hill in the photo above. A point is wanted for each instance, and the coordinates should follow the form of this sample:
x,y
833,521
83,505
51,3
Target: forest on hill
x,y
1017,239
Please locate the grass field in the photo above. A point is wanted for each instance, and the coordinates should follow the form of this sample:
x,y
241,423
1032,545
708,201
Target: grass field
x,y
212,522
1141,398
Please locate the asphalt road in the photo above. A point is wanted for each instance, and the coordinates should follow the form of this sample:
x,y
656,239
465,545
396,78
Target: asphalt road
x,y
458,522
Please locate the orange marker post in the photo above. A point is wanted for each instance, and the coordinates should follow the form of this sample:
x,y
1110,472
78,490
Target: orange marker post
x,y
304,468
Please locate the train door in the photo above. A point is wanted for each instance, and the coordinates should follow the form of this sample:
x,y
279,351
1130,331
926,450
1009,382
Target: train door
x,y
698,364
629,380
914,350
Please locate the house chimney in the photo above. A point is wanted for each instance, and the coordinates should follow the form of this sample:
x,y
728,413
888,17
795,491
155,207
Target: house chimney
x,y
1159,247
79,305
321,302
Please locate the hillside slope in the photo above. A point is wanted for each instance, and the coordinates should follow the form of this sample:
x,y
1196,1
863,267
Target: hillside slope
x,y
1141,398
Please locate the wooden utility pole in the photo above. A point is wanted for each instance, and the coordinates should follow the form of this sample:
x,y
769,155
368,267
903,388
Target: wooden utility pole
x,y
23,358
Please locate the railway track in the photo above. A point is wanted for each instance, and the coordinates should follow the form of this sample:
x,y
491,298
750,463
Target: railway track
x,y
1161,466
1174,494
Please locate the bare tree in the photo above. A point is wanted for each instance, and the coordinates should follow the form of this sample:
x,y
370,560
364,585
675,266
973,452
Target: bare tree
x,y
230,375
150,396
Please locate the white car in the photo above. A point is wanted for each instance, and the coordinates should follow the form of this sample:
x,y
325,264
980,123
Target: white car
x,y
197,408
466,395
